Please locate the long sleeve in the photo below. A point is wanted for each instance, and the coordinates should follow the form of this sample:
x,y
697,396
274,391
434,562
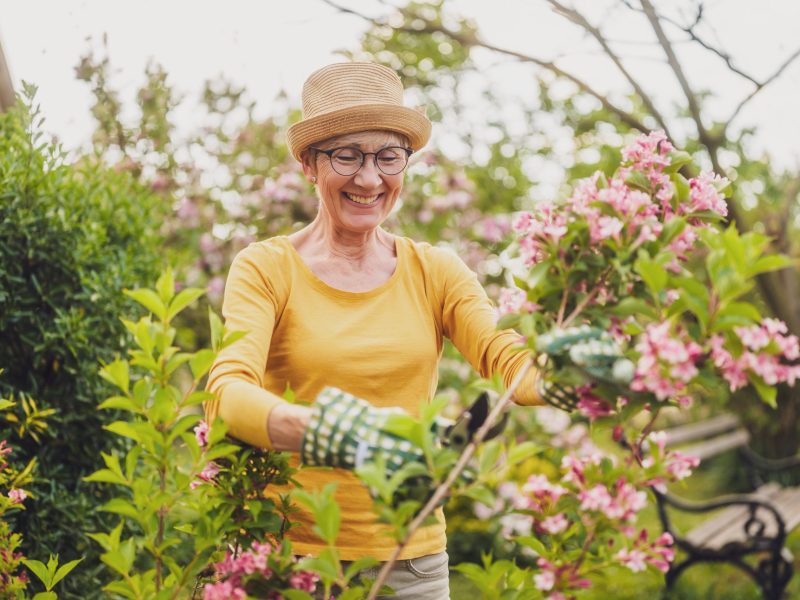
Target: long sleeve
x,y
469,320
236,379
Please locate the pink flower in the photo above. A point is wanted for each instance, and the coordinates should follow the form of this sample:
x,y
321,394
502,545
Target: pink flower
x,y
555,524
547,578
201,433
635,560
754,337
593,407
649,151
207,475
680,465
542,489
703,194
514,300
596,498
224,590
304,580
17,496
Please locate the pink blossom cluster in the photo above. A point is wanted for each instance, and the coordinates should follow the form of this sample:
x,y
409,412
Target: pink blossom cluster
x,y
17,496
493,228
667,362
514,300
233,571
554,578
622,501
207,475
767,348
201,433
619,210
591,405
658,553
675,465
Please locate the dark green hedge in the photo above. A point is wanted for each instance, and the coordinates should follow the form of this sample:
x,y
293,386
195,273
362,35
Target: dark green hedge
x,y
72,237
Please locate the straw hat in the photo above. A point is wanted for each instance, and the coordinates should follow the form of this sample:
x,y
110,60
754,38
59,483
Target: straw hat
x,y
355,96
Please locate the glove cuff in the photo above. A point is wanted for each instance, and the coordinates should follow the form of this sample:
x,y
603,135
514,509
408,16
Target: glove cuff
x,y
333,414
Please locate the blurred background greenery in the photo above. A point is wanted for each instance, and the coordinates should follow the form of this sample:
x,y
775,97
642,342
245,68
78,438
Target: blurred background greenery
x,y
78,228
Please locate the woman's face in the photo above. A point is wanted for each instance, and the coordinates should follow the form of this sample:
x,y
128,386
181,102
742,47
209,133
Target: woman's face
x,y
360,202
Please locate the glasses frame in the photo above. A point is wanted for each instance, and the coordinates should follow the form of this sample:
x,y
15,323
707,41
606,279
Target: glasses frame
x,y
364,155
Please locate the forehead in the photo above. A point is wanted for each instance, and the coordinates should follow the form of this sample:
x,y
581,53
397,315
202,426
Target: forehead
x,y
365,139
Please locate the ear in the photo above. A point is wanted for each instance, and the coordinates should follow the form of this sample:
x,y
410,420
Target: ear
x,y
309,163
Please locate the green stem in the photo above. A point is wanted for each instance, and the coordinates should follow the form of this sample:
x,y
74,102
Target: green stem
x,y
441,491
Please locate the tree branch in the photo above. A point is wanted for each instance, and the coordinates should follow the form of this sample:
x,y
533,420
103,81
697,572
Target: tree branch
x,y
441,491
677,69
470,41
576,17
762,85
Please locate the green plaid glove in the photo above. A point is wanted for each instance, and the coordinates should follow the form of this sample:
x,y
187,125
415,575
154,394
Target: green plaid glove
x,y
346,432
591,349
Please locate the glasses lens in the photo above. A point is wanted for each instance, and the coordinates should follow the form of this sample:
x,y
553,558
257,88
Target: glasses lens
x,y
392,160
347,161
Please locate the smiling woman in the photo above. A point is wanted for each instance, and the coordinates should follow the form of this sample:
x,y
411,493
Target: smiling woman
x,y
353,318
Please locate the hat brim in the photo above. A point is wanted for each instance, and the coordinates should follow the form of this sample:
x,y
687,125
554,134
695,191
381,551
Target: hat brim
x,y
400,119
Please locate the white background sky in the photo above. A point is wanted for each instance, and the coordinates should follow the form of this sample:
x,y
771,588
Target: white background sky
x,y
272,45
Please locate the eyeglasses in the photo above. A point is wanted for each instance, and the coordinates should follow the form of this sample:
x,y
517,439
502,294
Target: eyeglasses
x,y
348,161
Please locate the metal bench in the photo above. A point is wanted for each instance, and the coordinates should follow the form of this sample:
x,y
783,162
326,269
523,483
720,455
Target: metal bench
x,y
749,525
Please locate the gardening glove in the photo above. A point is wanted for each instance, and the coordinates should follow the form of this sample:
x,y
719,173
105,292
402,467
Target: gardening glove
x,y
347,432
592,350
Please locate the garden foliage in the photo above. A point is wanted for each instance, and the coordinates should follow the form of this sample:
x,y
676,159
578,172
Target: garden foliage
x,y
72,236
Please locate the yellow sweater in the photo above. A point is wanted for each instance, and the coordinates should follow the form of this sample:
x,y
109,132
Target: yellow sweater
x,y
382,345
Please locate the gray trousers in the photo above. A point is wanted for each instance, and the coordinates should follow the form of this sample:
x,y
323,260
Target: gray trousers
x,y
423,578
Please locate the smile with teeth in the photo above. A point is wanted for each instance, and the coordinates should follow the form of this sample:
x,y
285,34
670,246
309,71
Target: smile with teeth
x,y
362,199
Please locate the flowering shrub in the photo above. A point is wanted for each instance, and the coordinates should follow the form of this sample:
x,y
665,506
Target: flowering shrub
x,y
261,572
639,254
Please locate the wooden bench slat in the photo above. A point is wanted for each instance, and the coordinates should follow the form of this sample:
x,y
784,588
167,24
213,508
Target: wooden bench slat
x,y
725,521
703,429
718,445
782,501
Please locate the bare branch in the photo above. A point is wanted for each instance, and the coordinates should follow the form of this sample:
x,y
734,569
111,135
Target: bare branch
x,y
440,492
694,108
470,41
577,18
765,83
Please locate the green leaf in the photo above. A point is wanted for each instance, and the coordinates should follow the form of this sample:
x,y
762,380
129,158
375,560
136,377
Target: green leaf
x,y
639,181
39,569
106,476
481,494
117,373
533,543
122,507
489,455
677,158
165,286
150,300
773,262
46,596
120,403
634,306
652,273
523,451
768,393
184,298
217,330
64,570
359,565
201,362
124,429
231,337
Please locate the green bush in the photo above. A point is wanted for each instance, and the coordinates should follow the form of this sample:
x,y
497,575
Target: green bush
x,y
72,237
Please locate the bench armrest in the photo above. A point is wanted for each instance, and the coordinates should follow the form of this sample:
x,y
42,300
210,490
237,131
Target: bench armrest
x,y
769,464
751,501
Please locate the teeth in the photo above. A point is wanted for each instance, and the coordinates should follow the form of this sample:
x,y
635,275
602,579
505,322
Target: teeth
x,y
361,199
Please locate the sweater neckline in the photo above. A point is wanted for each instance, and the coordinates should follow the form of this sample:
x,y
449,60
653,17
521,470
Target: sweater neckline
x,y
330,290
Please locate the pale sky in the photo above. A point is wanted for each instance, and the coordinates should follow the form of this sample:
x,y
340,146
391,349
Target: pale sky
x,y
269,46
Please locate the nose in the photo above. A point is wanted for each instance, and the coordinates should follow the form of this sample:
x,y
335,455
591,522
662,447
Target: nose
x,y
369,176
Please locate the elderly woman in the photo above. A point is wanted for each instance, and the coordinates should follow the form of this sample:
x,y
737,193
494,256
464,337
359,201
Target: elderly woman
x,y
352,317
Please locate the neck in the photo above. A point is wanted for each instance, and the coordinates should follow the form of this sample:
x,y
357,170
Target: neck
x,y
353,246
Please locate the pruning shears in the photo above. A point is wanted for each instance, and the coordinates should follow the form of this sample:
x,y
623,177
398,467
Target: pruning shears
x,y
459,433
